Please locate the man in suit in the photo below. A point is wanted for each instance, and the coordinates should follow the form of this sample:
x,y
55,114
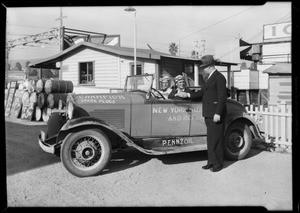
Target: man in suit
x,y
214,95
180,86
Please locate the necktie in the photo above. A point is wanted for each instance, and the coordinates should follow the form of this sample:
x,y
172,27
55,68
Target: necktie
x,y
206,79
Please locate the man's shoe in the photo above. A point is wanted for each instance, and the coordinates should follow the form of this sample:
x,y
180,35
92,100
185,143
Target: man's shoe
x,y
216,169
207,166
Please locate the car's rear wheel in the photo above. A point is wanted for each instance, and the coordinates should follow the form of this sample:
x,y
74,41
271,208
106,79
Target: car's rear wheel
x,y
86,153
238,140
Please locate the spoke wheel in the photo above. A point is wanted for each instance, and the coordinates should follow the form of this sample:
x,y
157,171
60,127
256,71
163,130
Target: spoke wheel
x,y
86,153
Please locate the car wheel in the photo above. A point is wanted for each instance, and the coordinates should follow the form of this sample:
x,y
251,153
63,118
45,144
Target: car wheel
x,y
238,140
86,153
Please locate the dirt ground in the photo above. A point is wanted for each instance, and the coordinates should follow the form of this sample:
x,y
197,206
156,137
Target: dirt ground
x,y
39,179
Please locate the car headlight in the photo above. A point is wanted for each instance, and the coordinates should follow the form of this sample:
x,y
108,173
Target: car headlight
x,y
70,110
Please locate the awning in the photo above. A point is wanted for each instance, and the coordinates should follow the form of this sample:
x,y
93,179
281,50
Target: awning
x,y
279,68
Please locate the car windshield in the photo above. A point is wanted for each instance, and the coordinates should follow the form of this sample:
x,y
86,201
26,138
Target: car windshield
x,y
138,82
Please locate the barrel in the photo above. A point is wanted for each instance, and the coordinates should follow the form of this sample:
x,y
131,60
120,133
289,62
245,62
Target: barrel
x,y
31,85
42,100
58,86
38,113
25,98
40,85
46,114
33,97
53,99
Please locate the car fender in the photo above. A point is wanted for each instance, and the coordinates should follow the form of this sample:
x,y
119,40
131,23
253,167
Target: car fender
x,y
250,122
87,122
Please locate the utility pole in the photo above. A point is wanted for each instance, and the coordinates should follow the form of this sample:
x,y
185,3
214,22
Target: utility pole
x,y
61,29
197,48
61,34
202,47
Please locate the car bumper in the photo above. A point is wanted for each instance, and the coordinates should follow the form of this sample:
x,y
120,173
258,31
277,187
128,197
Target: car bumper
x,y
48,145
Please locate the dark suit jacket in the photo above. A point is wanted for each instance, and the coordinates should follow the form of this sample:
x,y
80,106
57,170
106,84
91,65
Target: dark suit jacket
x,y
214,95
174,91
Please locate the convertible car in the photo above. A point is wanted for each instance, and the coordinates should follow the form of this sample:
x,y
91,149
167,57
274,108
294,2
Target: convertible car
x,y
91,126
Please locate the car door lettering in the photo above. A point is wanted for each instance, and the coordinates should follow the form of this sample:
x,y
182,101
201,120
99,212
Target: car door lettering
x,y
177,110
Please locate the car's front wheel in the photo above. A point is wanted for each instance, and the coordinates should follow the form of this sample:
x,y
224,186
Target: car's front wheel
x,y
86,153
238,140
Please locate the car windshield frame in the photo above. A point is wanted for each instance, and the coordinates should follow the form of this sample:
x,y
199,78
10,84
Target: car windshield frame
x,y
138,82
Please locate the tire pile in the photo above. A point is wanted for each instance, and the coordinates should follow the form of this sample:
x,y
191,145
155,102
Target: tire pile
x,y
39,98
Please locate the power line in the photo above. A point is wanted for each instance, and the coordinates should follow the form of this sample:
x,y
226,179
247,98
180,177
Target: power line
x,y
253,37
30,26
211,25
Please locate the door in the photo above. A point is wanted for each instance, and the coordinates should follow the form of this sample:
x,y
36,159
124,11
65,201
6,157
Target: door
x,y
170,118
198,126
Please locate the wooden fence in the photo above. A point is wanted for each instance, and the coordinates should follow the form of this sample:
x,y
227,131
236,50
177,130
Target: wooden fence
x,y
275,122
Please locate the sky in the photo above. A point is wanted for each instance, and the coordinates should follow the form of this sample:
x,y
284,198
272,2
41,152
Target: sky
x,y
200,28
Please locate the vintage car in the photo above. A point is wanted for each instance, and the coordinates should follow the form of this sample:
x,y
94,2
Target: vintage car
x,y
91,126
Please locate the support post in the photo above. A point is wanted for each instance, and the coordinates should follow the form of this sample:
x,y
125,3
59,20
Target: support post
x,y
196,75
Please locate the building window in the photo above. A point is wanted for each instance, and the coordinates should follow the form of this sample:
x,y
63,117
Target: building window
x,y
139,68
86,73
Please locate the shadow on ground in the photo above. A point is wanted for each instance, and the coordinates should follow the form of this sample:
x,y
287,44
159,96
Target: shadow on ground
x,y
126,159
22,150
200,156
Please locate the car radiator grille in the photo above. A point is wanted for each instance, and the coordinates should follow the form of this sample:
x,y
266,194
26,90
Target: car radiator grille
x,y
115,117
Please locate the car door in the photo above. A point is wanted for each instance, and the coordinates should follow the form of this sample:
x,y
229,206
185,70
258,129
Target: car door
x,y
170,118
198,126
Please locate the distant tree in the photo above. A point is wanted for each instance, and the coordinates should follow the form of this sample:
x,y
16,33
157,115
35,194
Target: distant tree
x,y
27,64
173,48
18,66
47,74
32,72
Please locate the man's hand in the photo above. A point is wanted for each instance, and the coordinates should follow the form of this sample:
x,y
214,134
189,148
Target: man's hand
x,y
182,95
217,118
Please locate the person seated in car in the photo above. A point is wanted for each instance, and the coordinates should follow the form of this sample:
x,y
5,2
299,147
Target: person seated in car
x,y
180,86
166,86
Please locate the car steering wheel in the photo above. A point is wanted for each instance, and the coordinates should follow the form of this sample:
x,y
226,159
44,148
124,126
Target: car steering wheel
x,y
154,92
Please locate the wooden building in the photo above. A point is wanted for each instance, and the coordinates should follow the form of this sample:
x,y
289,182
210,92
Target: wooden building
x,y
95,67
280,84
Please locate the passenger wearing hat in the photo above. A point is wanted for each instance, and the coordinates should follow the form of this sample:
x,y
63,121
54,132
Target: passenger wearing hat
x,y
214,97
180,86
166,87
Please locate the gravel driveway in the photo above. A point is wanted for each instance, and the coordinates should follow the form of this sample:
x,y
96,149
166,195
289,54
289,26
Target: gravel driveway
x,y
36,178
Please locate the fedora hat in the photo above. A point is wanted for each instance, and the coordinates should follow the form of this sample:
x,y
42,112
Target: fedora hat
x,y
207,60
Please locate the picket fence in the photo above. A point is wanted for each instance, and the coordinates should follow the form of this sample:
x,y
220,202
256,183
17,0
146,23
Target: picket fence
x,y
275,122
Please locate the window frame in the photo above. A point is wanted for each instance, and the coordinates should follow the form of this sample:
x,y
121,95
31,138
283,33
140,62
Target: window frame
x,y
92,83
131,67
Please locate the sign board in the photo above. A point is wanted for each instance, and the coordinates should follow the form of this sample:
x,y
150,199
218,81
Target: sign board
x,y
10,97
277,31
17,104
27,111
16,75
279,52
276,49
